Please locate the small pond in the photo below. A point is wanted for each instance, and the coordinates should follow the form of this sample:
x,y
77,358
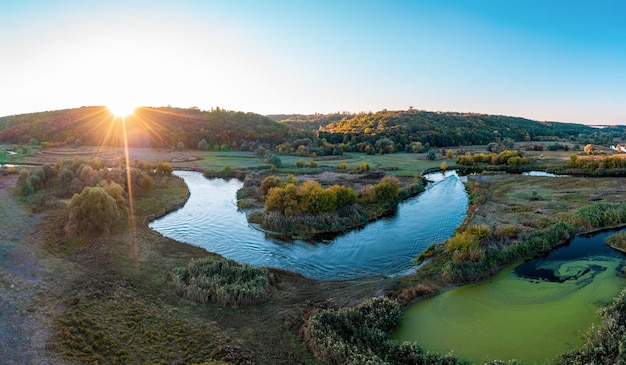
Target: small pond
x,y
542,173
210,219
531,311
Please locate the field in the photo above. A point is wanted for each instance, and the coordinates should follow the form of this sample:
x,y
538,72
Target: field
x,y
60,295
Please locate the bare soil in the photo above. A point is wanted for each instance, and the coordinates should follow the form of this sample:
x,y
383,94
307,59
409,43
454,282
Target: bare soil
x,y
30,280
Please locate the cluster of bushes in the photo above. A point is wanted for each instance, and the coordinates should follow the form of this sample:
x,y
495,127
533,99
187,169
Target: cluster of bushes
x,y
307,224
307,198
222,282
508,157
226,172
468,244
69,177
529,244
98,191
592,163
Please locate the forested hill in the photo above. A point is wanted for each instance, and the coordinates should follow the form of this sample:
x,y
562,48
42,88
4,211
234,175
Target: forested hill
x,y
444,129
156,127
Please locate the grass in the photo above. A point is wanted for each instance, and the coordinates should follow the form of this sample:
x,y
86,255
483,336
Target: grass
x,y
120,327
617,241
222,282
119,290
401,163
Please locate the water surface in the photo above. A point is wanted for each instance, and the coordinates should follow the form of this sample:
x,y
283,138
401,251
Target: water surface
x,y
531,311
210,219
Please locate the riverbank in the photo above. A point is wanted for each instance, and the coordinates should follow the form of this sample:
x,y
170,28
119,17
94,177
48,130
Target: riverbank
x,y
95,291
107,284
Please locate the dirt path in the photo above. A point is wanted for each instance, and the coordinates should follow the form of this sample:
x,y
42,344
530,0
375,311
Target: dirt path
x,y
26,285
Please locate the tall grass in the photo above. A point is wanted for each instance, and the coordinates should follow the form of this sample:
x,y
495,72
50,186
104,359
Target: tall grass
x,y
222,282
602,214
605,344
360,335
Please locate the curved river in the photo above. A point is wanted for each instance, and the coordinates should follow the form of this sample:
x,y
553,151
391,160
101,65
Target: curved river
x,y
210,219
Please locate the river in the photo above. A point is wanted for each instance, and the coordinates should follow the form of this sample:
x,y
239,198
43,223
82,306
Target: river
x,y
210,219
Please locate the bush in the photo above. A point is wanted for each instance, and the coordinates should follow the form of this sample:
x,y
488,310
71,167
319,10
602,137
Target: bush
x,y
222,282
617,241
164,168
387,190
93,211
342,166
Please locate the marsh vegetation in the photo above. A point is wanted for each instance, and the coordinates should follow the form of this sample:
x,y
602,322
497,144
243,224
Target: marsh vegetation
x,y
117,277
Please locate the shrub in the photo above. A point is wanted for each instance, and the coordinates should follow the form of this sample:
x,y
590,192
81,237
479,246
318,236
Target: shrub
x,y
93,211
342,166
462,242
164,168
465,160
222,282
388,189
506,231
270,182
617,240
368,194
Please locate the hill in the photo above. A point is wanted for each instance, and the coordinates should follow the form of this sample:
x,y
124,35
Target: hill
x,y
155,127
447,129
320,134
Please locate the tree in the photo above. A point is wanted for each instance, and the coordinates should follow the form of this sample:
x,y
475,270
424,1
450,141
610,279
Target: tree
x,y
203,145
93,211
388,189
164,168
589,149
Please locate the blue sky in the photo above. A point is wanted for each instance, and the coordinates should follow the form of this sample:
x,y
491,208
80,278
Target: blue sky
x,y
544,60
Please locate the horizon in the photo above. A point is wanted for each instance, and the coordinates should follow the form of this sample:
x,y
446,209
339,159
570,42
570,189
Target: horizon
x,y
557,61
126,113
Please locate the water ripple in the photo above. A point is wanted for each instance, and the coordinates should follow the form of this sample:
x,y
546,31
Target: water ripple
x,y
210,219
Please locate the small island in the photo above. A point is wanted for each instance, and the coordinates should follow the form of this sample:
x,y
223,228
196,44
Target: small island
x,y
329,202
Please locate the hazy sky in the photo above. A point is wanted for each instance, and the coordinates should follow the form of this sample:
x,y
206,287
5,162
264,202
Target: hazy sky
x,y
540,59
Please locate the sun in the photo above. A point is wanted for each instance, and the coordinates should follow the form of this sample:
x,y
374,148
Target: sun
x,y
121,109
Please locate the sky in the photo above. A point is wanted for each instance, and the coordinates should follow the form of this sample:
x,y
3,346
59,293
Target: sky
x,y
544,60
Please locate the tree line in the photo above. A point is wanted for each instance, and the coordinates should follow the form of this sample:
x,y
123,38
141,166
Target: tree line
x,y
306,135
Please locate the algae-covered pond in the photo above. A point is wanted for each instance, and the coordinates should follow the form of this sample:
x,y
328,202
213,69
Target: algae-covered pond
x,y
531,311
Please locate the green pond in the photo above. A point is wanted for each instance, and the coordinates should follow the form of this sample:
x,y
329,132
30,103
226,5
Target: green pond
x,y
531,311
